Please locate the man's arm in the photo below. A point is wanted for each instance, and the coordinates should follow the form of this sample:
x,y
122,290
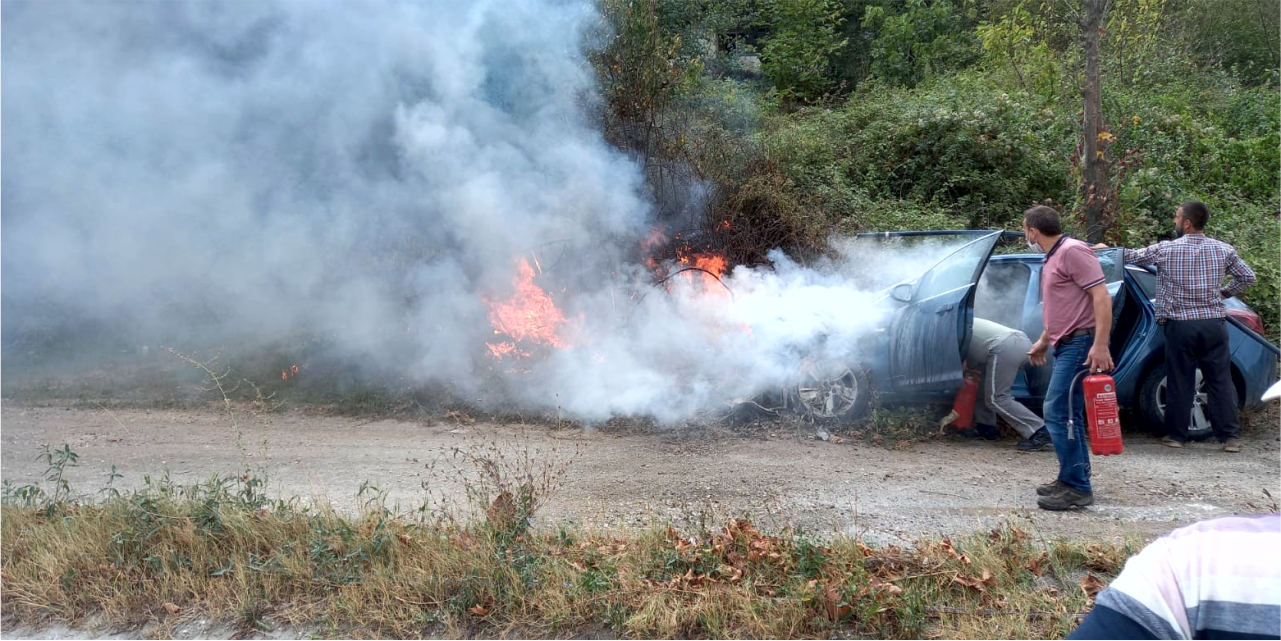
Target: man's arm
x,y
1144,257
1105,623
1242,276
1099,359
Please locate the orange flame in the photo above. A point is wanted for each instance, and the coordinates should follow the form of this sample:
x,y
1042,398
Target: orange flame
x,y
529,315
713,266
289,372
655,240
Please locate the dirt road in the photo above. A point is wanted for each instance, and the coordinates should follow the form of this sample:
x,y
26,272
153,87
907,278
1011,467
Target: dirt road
x,y
779,477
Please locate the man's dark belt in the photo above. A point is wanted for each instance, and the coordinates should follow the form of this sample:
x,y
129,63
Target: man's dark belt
x,y
1084,331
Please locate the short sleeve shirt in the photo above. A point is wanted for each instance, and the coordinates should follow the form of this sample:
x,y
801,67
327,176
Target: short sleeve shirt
x,y
1070,269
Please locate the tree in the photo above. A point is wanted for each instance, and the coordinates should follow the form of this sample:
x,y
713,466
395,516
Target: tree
x,y
804,38
1096,194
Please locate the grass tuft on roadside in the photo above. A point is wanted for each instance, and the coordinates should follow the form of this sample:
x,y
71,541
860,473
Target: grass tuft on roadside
x,y
221,550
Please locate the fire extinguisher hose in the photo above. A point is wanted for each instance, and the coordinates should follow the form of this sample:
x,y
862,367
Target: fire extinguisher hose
x,y
1071,415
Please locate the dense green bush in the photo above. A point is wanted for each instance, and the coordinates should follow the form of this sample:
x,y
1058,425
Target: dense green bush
x,y
921,40
804,39
962,152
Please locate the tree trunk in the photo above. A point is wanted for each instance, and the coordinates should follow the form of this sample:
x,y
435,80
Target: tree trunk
x,y
1094,166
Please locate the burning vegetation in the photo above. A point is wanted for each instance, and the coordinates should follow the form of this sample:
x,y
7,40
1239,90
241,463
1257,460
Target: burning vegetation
x,y
529,319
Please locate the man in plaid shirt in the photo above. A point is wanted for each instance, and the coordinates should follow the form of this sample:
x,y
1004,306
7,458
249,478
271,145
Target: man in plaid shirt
x,y
1189,304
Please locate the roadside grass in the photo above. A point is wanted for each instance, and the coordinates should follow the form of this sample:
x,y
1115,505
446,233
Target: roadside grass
x,y
221,550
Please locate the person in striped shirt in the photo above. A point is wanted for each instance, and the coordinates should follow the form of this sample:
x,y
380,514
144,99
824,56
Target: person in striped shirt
x,y
1217,579
1191,271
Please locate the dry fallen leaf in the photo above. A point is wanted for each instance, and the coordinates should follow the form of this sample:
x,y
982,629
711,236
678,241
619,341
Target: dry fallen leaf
x,y
833,603
947,548
173,609
979,583
888,588
1034,565
478,610
1091,585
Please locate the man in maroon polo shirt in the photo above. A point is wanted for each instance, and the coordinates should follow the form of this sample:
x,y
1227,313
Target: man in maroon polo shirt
x,y
1077,316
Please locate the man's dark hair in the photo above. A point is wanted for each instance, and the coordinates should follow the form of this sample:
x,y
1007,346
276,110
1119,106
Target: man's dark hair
x,y
1194,211
1043,219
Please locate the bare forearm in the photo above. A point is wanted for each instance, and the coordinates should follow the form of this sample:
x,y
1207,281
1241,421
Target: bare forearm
x,y
1102,315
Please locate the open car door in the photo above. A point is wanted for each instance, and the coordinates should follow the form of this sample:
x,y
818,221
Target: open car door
x,y
931,331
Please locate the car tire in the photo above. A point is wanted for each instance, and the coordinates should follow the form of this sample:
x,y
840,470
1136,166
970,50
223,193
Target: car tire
x,y
830,391
1152,406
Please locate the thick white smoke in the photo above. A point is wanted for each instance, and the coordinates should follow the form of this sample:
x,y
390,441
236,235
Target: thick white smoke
x,y
298,164
370,171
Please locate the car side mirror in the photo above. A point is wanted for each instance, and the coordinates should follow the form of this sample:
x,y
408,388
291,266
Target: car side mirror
x,y
902,292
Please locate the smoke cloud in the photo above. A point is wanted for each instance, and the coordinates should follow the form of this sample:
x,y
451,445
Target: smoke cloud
x,y
373,172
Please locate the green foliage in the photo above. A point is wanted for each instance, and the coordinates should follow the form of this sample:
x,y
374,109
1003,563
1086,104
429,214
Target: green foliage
x,y
1017,39
1242,36
641,67
797,55
927,140
958,153
710,27
926,39
56,460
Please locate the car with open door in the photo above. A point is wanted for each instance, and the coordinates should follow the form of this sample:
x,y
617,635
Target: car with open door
x,y
917,357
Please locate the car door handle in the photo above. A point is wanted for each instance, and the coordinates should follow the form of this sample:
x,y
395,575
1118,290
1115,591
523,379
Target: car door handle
x,y
944,309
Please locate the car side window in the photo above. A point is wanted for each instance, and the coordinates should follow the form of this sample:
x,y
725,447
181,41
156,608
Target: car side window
x,y
1002,292
957,270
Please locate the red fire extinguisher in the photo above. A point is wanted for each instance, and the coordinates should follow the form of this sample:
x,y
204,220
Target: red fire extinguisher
x,y
1102,415
962,414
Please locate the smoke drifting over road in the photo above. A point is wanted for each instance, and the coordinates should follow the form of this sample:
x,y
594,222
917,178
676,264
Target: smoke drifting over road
x,y
373,172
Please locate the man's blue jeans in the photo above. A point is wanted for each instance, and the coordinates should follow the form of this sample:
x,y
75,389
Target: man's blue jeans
x,y
1074,452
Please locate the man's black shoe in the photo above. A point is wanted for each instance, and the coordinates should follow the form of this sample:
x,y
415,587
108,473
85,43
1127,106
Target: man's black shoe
x,y
1066,499
1036,442
1050,488
985,432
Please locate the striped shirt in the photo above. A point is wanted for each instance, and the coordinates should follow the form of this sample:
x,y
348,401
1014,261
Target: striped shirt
x,y
1214,579
1190,273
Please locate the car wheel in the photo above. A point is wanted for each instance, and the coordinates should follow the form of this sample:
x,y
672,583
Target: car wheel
x,y
1152,405
831,390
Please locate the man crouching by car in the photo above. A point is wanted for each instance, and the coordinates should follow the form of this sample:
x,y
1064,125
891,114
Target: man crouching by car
x,y
1077,316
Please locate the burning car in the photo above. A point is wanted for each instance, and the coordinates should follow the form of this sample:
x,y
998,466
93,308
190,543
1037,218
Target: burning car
x,y
917,357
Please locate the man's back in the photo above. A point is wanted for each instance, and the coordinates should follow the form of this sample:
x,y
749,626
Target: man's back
x,y
1190,273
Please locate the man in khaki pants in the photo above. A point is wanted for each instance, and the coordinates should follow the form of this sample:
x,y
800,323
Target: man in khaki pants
x,y
1001,352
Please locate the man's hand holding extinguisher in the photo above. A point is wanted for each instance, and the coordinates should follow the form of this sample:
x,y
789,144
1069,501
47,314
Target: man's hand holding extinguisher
x,y
1102,413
